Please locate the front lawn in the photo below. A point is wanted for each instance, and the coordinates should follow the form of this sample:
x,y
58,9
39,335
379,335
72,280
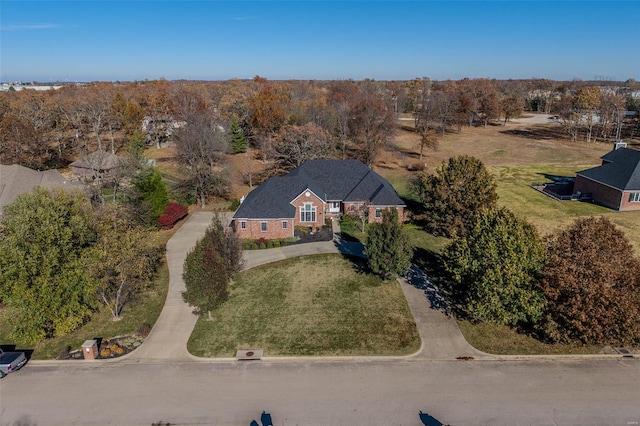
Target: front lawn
x,y
503,340
319,305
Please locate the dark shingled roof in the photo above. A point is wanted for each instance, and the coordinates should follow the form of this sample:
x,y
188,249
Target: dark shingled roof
x,y
620,169
331,180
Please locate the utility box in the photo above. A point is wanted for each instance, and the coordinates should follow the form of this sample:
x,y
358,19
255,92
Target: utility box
x,y
249,354
90,349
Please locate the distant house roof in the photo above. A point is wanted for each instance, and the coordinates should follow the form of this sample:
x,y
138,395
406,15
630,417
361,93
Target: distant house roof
x,y
620,169
98,160
16,180
331,180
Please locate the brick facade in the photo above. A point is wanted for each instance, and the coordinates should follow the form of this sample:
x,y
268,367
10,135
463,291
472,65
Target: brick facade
x,y
372,216
627,205
253,228
308,197
602,194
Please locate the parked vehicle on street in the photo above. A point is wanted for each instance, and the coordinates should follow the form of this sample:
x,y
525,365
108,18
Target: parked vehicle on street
x,y
11,361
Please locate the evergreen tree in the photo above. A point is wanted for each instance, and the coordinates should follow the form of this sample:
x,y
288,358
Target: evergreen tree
x,y
455,195
151,196
209,267
493,267
388,246
237,142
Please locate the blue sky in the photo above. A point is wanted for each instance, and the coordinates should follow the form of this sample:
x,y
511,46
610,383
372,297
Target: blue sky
x,y
383,40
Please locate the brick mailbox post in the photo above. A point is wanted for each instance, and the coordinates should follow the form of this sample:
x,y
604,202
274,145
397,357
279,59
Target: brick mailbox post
x,y
90,349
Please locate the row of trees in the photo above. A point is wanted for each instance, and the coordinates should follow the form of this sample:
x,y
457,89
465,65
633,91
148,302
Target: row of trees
x,y
61,260
278,118
579,285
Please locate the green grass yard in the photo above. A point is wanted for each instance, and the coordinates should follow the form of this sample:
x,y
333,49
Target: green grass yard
x,y
319,305
503,340
550,215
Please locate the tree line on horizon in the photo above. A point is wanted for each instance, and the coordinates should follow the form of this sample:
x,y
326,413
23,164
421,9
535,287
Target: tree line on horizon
x,y
286,122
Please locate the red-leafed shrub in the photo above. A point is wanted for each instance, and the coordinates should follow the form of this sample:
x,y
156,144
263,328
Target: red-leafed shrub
x,y
262,240
172,213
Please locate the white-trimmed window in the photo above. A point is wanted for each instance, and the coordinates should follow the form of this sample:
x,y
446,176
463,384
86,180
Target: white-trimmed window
x,y
634,197
308,213
263,226
243,224
285,224
378,213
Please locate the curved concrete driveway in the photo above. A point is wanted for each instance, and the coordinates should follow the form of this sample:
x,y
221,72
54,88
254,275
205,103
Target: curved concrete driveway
x,y
167,342
169,335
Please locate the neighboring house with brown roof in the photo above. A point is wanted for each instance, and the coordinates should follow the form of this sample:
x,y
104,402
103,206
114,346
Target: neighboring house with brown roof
x,y
311,193
99,164
16,180
616,182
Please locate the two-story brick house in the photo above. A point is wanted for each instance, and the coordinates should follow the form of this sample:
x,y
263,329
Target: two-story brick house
x,y
616,182
310,194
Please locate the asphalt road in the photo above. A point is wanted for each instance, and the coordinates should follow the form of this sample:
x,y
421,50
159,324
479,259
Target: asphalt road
x,y
535,392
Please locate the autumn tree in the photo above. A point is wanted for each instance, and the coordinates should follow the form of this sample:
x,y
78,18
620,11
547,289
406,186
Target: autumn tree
x,y
611,113
592,283
511,107
126,115
454,195
587,102
371,121
95,105
123,260
269,110
158,109
387,247
209,267
425,115
341,95
20,143
44,238
488,103
444,105
296,144
570,118
200,146
492,269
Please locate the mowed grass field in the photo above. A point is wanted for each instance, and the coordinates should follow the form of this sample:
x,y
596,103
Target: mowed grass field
x,y
550,215
517,155
317,305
